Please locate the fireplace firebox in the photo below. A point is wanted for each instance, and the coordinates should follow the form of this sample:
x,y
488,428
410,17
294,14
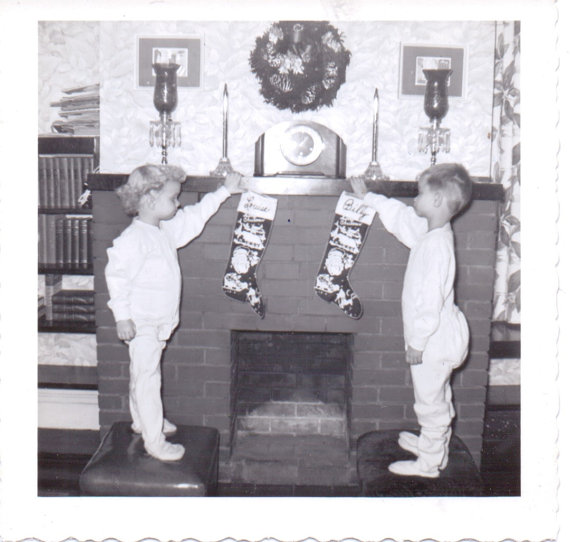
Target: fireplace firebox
x,y
290,383
292,391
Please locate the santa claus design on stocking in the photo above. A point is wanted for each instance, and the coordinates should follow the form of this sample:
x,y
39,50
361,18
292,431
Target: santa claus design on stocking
x,y
253,224
350,226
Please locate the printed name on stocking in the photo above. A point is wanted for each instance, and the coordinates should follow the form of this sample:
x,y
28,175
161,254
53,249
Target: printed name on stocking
x,y
354,208
258,206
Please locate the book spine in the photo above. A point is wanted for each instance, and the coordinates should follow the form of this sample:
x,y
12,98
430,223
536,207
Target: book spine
x,y
75,240
65,316
50,183
68,241
89,241
42,239
84,242
42,181
57,183
51,239
73,307
68,301
72,183
59,241
86,169
65,183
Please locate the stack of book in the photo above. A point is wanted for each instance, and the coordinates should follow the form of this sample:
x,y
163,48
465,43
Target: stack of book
x,y
73,306
79,111
64,240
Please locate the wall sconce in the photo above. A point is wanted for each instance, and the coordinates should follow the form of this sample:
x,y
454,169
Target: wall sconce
x,y
434,138
165,132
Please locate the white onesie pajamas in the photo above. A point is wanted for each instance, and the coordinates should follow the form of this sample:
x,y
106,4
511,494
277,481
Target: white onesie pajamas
x,y
433,324
144,281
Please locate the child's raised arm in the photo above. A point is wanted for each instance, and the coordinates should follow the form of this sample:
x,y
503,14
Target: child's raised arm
x,y
398,218
189,221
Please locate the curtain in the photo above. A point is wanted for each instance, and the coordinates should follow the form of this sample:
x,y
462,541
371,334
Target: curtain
x,y
505,169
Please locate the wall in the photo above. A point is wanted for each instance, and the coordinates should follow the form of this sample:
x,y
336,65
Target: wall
x,y
68,57
76,53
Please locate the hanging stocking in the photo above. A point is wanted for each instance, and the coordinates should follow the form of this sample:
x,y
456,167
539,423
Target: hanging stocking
x,y
351,221
254,219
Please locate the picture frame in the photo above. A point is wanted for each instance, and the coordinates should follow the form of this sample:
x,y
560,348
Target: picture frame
x,y
414,58
183,50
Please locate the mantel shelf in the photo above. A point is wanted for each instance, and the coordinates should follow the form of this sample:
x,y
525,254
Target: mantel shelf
x,y
300,186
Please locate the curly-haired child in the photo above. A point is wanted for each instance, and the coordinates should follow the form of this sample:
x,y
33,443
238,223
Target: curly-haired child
x,y
144,282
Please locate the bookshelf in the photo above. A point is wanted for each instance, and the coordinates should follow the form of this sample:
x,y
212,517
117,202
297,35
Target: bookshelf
x,y
64,230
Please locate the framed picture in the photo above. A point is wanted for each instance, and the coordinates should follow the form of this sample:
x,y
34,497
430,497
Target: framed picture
x,y
416,58
183,50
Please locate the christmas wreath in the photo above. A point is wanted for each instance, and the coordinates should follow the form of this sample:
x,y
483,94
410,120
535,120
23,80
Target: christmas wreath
x,y
300,64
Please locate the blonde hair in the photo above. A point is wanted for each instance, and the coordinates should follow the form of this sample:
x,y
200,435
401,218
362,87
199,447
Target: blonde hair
x,y
145,180
454,181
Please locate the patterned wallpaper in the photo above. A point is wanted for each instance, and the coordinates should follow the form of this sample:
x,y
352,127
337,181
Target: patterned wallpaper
x,y
68,56
107,52
375,48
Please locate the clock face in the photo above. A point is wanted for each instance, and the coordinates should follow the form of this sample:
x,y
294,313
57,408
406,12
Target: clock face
x,y
301,145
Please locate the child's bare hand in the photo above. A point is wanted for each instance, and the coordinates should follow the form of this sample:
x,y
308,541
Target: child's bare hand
x,y
234,183
358,186
413,356
126,330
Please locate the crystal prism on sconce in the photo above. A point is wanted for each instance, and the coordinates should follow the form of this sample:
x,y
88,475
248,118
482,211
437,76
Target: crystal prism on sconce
x,y
434,138
165,132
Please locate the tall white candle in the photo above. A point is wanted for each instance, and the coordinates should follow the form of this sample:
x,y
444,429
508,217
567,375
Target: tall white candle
x,y
225,129
375,126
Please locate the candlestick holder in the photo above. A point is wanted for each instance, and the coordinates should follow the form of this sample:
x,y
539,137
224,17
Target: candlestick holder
x,y
434,138
224,167
374,171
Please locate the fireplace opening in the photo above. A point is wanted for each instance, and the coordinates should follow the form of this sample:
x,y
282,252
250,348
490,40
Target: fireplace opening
x,y
290,403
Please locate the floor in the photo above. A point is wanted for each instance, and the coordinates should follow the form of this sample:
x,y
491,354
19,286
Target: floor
x,y
58,474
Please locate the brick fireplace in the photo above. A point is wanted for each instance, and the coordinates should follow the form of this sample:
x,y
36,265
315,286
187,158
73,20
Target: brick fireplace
x,y
370,389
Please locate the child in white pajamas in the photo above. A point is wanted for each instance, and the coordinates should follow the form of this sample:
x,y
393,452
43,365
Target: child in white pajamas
x,y
436,334
144,282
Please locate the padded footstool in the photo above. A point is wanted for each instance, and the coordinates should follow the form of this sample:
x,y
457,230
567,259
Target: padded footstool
x,y
121,466
377,449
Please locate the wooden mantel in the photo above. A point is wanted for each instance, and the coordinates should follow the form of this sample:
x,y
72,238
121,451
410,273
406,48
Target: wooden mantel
x,y
301,186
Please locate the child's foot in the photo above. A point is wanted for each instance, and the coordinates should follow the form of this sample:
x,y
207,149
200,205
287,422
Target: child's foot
x,y
168,428
166,451
411,468
409,442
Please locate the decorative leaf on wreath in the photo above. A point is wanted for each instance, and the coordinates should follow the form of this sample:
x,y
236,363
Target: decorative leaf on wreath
x,y
300,64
